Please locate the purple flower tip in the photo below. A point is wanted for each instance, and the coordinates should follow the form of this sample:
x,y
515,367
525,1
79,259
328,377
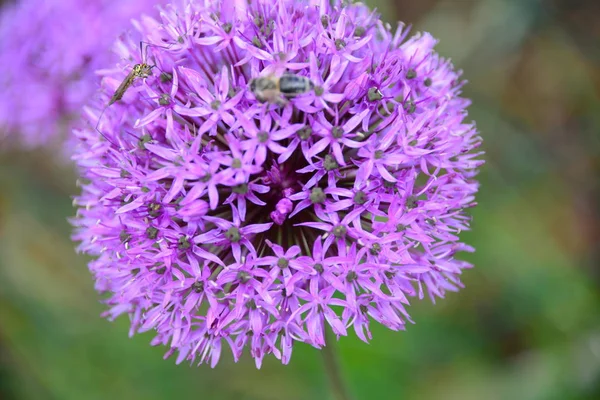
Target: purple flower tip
x,y
224,211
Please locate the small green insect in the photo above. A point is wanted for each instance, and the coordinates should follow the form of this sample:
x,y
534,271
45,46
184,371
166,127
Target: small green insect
x,y
142,70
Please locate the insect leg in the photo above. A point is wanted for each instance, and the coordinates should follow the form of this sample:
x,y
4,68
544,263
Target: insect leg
x,y
179,40
99,131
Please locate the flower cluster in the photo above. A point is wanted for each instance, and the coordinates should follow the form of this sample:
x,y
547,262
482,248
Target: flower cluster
x,y
49,51
216,219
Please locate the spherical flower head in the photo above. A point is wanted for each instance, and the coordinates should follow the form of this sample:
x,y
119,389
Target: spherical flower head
x,y
49,51
222,214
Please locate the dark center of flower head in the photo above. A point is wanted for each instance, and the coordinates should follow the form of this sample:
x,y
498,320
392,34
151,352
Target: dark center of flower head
x,y
283,263
164,99
339,231
360,197
305,133
215,105
154,209
351,277
124,237
243,277
263,137
329,163
337,132
317,195
152,232
143,140
411,202
233,234
198,286
240,189
375,249
183,243
359,31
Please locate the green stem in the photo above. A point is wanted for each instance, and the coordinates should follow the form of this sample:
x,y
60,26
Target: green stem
x,y
332,368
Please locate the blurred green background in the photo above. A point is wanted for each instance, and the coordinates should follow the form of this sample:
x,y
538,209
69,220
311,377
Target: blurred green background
x,y
526,327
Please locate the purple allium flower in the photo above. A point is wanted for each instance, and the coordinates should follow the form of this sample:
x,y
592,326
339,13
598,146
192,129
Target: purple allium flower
x,y
49,51
217,220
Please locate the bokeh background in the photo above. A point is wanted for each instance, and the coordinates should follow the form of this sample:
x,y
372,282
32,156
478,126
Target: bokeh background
x,y
527,326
